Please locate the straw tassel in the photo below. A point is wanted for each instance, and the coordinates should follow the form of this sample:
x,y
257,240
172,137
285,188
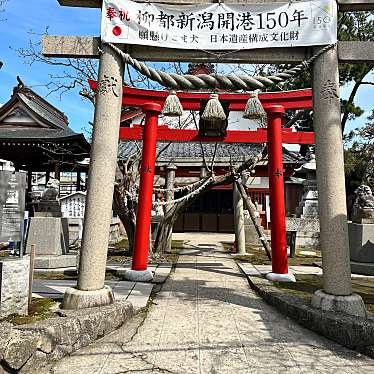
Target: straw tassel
x,y
254,108
172,106
213,109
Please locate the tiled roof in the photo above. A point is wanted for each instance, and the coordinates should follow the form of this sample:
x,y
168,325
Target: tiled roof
x,y
54,122
28,120
178,150
27,133
44,110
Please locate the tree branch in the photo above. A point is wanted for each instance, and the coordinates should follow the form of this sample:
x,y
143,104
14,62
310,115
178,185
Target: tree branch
x,y
350,102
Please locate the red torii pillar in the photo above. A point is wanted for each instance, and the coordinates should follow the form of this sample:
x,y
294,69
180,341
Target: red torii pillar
x,y
279,260
139,271
276,183
151,102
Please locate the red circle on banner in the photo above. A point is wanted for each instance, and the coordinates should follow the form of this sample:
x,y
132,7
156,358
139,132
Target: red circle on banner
x,y
117,31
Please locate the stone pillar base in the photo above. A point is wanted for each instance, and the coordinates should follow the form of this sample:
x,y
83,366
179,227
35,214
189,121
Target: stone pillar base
x,y
137,275
78,299
274,277
237,254
350,304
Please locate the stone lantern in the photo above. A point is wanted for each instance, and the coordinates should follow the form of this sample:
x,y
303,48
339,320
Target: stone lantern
x,y
308,206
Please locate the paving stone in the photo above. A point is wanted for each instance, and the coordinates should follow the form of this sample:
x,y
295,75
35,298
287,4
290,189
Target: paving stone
x,y
139,295
185,359
56,288
122,289
206,319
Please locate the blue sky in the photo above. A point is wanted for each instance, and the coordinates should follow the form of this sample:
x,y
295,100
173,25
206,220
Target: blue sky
x,y
23,17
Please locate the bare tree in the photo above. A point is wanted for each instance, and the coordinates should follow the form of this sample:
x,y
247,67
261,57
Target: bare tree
x,y
125,192
73,75
166,225
2,10
2,7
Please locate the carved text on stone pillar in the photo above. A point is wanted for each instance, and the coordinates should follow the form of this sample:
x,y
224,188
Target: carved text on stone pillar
x,y
328,91
108,85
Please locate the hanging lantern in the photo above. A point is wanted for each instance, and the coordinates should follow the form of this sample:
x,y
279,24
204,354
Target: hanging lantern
x,y
172,106
254,108
213,117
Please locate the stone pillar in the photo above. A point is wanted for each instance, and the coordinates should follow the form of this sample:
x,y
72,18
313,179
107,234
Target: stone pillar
x,y
14,285
91,290
169,195
239,222
203,172
337,288
29,181
57,170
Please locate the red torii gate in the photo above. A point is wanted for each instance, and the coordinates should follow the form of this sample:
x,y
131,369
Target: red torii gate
x,y
274,103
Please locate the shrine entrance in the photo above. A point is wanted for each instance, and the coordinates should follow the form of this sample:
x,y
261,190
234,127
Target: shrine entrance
x,y
275,104
311,45
212,212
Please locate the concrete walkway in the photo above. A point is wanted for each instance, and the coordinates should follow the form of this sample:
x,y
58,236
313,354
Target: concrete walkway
x,y
206,319
136,292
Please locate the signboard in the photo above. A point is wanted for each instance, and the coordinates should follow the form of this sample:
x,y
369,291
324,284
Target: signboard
x,y
220,26
12,205
73,205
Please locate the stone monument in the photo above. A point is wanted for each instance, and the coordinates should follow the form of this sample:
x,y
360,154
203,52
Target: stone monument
x,y
49,231
307,223
14,271
308,235
12,205
251,235
361,232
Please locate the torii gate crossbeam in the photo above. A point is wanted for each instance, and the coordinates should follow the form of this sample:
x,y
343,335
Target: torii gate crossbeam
x,y
337,293
151,103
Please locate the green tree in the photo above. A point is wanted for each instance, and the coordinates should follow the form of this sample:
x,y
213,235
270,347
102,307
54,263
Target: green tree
x,y
358,26
359,157
352,26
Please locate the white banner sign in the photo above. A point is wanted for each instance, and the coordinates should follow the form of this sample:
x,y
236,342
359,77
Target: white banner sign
x,y
220,26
